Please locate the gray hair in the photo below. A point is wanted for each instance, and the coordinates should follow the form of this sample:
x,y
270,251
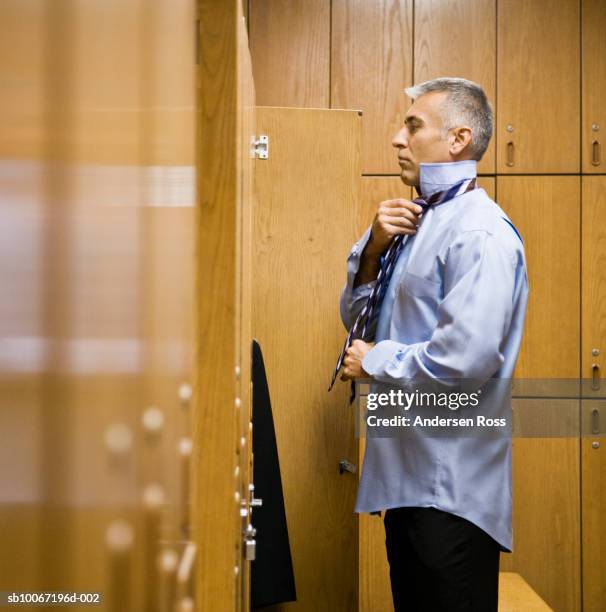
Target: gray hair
x,y
465,105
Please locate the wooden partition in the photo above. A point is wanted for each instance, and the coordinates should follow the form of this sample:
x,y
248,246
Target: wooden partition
x,y
222,420
305,222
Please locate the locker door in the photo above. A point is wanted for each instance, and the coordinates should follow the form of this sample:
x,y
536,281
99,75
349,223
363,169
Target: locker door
x,y
222,420
371,59
290,47
546,470
305,222
593,454
537,125
458,39
546,211
594,85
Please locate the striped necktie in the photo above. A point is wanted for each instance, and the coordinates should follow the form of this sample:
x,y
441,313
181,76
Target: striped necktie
x,y
371,309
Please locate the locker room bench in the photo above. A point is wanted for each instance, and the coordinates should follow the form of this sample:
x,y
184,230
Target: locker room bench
x,y
516,595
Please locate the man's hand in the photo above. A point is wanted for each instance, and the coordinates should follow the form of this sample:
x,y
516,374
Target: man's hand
x,y
352,364
393,217
399,216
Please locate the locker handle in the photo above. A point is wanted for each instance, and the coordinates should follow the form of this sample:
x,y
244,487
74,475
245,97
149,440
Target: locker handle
x,y
185,452
595,377
595,153
185,571
510,153
595,422
346,466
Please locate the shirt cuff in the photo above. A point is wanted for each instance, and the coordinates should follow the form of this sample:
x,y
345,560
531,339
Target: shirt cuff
x,y
384,360
353,261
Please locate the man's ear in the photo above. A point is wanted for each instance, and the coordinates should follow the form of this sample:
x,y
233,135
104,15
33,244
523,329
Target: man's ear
x,y
460,139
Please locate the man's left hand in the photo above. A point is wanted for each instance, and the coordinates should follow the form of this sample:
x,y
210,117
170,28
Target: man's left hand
x,y
352,363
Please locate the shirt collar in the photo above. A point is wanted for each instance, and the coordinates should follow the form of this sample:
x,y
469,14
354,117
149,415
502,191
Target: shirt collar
x,y
436,177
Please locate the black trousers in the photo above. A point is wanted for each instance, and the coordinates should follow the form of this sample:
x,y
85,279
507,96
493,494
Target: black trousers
x,y
440,562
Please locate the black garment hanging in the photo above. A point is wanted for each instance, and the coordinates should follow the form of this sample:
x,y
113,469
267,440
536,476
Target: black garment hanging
x,y
272,576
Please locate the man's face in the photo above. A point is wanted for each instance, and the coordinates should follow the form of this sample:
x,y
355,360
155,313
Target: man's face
x,y
422,139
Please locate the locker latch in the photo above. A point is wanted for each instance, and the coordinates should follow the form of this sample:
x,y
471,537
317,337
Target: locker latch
x,y
250,544
255,502
261,147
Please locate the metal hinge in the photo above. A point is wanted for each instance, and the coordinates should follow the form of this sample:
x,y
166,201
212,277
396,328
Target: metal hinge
x,y
261,146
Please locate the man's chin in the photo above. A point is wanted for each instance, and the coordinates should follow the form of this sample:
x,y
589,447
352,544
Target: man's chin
x,y
408,179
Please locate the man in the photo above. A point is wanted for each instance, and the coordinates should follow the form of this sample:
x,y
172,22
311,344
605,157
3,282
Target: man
x,y
453,308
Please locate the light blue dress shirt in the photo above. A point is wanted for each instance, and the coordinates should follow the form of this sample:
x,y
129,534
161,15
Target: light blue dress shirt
x,y
454,308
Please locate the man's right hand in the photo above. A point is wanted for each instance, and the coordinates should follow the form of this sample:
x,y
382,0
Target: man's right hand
x,y
393,217
399,216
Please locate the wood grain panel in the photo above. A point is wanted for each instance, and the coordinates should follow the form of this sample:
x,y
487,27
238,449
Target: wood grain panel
x,y
374,584
215,426
290,48
371,53
594,277
458,39
594,337
305,223
539,88
489,185
593,478
111,84
546,510
594,83
96,93
247,129
546,211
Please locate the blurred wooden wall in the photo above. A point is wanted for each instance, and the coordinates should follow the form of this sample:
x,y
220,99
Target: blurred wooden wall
x,y
97,154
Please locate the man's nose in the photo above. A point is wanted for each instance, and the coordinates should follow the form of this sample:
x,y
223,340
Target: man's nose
x,y
399,139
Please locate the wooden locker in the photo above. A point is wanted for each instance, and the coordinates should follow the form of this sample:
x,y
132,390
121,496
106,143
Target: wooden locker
x,y
594,284
458,39
489,185
538,85
244,235
371,64
593,500
305,222
594,86
546,212
594,423
290,48
546,494
221,428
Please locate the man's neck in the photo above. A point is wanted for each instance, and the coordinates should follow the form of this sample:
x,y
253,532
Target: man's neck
x,y
434,177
